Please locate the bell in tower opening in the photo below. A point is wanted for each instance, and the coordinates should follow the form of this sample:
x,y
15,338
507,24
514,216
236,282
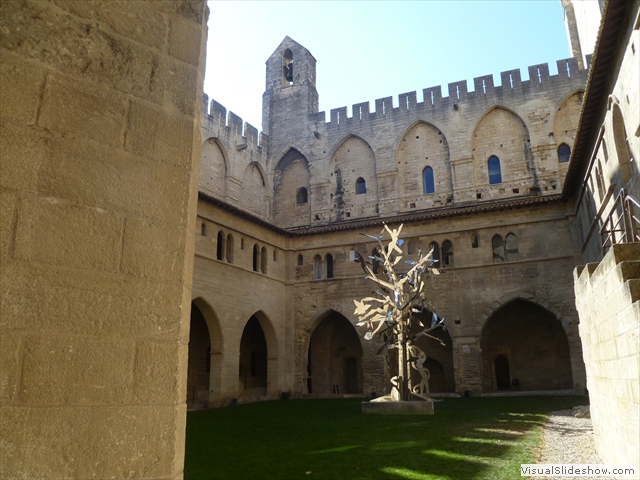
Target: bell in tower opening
x,y
287,65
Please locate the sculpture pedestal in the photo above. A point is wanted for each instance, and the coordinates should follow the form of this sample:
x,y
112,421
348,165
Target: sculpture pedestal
x,y
398,408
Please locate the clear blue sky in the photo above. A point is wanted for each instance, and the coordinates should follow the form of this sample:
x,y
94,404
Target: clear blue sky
x,y
367,50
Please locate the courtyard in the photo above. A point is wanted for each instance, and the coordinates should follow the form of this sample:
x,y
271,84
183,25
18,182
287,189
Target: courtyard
x,y
467,438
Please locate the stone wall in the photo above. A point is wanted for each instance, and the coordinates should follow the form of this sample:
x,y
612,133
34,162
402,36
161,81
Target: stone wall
x,y
101,113
608,301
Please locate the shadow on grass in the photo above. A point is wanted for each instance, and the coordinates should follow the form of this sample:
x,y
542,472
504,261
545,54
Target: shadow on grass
x,y
466,438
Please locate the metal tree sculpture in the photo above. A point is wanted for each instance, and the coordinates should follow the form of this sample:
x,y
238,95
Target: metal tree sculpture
x,y
394,314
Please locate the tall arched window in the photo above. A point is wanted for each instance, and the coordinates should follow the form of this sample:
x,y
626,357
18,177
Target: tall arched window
x,y
352,255
317,267
220,246
263,260
300,260
498,249
256,254
428,183
287,67
361,186
474,241
447,254
511,248
564,153
230,248
436,252
495,175
328,265
301,196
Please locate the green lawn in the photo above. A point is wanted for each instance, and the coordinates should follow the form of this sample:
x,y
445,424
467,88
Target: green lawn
x,y
467,438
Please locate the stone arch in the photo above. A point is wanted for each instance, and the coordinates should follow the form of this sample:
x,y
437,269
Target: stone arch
x,y
334,356
565,118
213,168
442,381
421,145
353,158
214,348
271,339
292,172
516,161
533,342
254,189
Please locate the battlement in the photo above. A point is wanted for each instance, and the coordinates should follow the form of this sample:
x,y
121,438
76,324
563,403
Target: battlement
x,y
458,94
230,125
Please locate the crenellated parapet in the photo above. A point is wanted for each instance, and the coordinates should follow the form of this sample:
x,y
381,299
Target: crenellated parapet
x,y
484,92
222,124
234,160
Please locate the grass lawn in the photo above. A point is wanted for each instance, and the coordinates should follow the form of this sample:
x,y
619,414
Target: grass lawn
x,y
467,438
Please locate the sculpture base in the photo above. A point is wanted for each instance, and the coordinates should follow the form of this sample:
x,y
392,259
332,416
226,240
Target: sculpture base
x,y
390,407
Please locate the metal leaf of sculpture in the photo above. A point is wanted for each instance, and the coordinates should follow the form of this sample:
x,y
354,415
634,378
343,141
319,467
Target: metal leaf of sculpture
x,y
394,314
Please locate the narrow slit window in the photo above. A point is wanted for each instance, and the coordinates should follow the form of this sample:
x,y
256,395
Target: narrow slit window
x,y
436,253
361,186
256,254
495,174
203,230
230,248
428,182
328,265
474,241
263,260
220,246
498,249
447,254
317,267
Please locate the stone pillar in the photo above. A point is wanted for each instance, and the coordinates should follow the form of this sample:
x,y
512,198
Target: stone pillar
x,y
100,137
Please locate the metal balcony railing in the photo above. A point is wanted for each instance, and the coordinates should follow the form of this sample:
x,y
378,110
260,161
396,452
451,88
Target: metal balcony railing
x,y
622,223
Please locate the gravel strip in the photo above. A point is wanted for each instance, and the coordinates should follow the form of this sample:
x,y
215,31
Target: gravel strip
x,y
567,439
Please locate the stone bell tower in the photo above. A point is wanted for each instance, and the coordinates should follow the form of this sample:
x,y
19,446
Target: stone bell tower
x,y
290,94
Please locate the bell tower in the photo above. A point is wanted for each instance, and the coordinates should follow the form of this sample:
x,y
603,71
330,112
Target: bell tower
x,y
290,94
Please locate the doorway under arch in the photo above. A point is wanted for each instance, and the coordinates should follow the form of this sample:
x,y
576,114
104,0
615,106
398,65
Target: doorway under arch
x,y
334,362
205,357
253,368
524,346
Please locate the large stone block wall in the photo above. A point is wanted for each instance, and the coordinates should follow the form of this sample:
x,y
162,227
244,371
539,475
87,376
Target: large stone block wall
x,y
608,302
100,138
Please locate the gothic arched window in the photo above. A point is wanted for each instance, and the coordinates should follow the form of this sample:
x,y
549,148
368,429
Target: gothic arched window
x,y
564,153
317,267
495,175
301,196
328,265
511,248
428,184
498,249
361,186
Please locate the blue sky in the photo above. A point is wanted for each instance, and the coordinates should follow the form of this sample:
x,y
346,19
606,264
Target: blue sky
x,y
367,50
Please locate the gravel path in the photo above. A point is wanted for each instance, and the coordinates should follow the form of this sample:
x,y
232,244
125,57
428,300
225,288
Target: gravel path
x,y
567,439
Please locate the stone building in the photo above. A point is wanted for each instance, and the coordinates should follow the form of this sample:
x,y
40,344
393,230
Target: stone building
x,y
477,174
101,110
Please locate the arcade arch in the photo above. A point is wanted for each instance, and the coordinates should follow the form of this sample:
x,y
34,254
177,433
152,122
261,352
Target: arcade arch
x,y
334,357
204,371
257,364
527,342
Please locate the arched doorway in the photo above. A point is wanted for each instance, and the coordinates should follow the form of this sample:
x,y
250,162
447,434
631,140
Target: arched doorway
x,y
253,369
205,357
334,362
524,346
199,366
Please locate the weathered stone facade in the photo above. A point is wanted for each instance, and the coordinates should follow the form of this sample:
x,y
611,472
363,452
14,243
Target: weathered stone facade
x,y
100,149
306,188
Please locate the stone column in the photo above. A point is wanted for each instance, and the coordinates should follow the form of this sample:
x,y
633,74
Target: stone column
x,y
100,135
